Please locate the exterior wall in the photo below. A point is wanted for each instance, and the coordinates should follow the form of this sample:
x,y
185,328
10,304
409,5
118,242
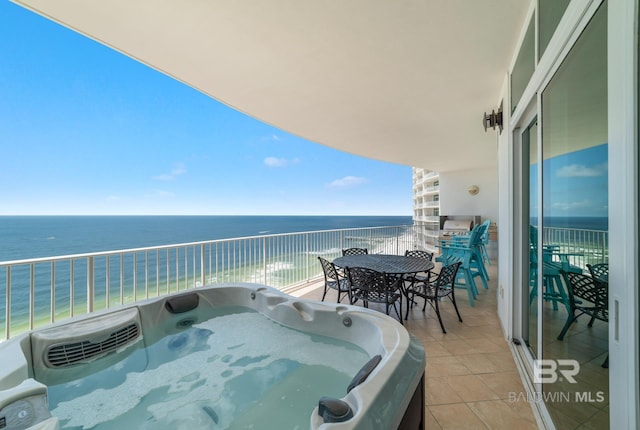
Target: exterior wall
x,y
456,200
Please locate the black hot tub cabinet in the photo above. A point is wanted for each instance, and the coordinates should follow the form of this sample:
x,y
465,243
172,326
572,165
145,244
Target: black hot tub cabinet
x,y
387,392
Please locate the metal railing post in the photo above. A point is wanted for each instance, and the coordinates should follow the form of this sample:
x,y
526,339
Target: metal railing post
x,y
90,284
72,276
32,296
202,267
53,291
7,321
264,258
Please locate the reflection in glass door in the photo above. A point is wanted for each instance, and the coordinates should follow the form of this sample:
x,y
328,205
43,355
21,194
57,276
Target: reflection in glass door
x,y
573,232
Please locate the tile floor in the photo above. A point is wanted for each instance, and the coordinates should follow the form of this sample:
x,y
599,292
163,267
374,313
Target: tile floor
x,y
470,371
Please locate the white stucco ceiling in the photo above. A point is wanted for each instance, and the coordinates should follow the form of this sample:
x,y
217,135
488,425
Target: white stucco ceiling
x,y
405,81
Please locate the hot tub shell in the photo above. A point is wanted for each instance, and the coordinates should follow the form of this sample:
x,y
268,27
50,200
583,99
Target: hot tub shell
x,y
390,397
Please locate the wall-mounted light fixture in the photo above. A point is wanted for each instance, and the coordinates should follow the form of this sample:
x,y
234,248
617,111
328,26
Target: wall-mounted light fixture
x,y
473,190
493,119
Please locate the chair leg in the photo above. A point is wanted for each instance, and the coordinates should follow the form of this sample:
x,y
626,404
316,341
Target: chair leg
x,y
570,320
439,316
410,301
455,306
481,272
484,275
324,294
468,278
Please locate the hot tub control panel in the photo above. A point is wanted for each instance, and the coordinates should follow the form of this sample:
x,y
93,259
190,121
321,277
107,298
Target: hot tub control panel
x,y
24,406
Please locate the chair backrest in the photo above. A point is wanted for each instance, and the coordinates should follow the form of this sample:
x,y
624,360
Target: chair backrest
x,y
586,289
485,236
599,271
533,245
329,269
447,277
371,281
477,234
418,253
355,251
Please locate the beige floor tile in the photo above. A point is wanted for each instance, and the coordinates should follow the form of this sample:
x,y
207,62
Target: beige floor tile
x,y
430,421
463,346
504,362
484,346
479,363
445,365
503,384
456,417
523,409
438,392
434,349
498,415
471,388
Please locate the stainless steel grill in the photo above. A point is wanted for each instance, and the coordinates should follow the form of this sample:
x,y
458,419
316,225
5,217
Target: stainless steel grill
x,y
455,227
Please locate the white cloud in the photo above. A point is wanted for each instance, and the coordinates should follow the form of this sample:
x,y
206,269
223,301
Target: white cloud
x,y
279,162
567,206
178,169
580,170
347,181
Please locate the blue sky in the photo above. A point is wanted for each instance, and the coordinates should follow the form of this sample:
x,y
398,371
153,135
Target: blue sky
x,y
86,130
576,184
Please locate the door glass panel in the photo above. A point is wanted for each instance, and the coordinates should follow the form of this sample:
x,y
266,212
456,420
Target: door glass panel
x,y
524,67
574,233
549,14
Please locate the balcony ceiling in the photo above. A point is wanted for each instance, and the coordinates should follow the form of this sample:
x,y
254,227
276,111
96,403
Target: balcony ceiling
x,y
401,81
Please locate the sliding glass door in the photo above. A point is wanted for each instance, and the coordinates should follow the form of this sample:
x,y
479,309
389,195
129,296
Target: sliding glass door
x,y
563,230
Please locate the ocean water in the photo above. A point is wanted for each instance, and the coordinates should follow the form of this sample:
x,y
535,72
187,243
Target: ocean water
x,y
582,223
23,237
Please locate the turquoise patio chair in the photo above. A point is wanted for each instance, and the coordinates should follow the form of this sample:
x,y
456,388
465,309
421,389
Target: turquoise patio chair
x,y
484,243
480,249
554,261
469,255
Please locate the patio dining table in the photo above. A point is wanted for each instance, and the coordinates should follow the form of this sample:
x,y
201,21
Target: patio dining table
x,y
387,263
394,265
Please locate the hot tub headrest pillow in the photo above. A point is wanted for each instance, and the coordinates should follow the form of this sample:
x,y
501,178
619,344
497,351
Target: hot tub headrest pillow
x,y
182,303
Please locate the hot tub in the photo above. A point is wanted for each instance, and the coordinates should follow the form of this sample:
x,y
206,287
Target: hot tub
x,y
228,356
